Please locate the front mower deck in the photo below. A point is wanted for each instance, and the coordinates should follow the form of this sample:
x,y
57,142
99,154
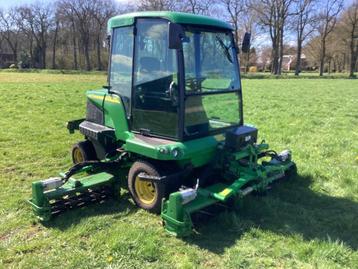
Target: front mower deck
x,y
176,212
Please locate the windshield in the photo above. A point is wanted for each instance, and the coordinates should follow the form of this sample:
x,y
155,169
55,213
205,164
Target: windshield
x,y
210,62
211,82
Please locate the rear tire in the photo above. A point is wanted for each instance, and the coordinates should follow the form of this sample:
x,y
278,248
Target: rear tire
x,y
83,151
146,194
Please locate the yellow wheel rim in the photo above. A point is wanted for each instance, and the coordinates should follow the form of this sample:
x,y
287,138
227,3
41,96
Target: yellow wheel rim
x,y
77,156
145,190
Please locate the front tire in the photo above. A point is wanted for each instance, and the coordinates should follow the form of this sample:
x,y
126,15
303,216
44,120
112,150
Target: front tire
x,y
146,194
83,151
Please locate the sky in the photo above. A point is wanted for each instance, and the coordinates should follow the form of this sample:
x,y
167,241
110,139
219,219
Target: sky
x,y
10,3
262,39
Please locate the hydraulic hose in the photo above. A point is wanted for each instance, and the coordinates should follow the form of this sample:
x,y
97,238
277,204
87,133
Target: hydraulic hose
x,y
95,164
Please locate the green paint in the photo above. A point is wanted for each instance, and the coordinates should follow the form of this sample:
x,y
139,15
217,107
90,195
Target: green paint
x,y
96,97
198,151
176,17
41,199
176,215
115,116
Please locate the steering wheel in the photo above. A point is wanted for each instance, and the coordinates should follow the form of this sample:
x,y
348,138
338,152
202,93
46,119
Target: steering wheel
x,y
194,83
172,93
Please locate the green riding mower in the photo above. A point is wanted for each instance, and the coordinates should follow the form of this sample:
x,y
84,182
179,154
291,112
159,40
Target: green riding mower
x,y
169,125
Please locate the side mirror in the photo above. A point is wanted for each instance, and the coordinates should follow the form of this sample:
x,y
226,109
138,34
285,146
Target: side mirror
x,y
108,42
176,34
246,43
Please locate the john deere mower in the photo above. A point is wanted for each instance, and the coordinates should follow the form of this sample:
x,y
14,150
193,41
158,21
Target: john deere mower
x,y
169,125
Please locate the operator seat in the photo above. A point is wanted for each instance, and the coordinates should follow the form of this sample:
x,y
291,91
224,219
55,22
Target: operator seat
x,y
154,84
148,69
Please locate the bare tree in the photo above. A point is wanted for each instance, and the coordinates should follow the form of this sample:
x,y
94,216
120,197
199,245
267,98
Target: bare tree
x,y
38,19
304,25
235,10
153,5
327,20
273,14
1,43
74,43
249,25
67,19
202,7
9,29
283,14
81,13
101,12
26,34
54,43
73,31
350,23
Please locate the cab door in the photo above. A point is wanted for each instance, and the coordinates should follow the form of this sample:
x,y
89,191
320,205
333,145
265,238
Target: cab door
x,y
155,80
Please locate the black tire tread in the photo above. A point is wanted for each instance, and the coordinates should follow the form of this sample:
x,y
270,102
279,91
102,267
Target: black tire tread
x,y
86,149
150,169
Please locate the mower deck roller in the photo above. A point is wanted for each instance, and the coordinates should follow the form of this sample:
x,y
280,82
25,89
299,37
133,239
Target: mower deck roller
x,y
51,197
169,124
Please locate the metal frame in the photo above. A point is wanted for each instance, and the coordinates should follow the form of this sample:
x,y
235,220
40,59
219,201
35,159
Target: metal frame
x,y
128,113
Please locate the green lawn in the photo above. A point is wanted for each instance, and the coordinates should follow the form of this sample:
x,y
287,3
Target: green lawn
x,y
308,222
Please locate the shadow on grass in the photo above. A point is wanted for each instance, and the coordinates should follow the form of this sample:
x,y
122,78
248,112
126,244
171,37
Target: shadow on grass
x,y
290,208
72,217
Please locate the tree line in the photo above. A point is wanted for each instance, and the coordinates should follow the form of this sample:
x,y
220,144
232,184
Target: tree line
x,y
71,34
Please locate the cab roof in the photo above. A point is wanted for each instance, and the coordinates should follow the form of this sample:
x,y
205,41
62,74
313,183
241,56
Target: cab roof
x,y
175,17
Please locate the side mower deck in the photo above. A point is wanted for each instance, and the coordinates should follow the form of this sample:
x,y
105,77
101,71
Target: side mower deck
x,y
47,202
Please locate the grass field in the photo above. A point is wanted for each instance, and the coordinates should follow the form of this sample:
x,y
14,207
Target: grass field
x,y
310,221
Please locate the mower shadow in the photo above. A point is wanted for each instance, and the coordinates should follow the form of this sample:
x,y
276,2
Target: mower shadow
x,y
121,206
290,208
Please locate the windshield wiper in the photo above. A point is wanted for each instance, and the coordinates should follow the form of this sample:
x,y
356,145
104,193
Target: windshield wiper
x,y
225,48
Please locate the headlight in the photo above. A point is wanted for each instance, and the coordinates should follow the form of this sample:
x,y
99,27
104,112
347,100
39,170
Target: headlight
x,y
175,153
163,150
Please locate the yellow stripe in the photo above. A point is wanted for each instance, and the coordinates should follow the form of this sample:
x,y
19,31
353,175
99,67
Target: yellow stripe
x,y
220,137
92,96
225,192
112,99
109,99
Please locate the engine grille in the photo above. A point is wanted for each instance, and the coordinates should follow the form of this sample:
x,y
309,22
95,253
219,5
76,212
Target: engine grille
x,y
94,114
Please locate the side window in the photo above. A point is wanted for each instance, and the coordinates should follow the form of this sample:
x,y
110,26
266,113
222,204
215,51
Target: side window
x,y
155,80
121,64
153,60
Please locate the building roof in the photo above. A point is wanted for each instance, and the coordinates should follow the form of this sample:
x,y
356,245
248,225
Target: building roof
x,y
175,17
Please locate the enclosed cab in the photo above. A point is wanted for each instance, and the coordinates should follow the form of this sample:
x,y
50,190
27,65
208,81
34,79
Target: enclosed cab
x,y
173,78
